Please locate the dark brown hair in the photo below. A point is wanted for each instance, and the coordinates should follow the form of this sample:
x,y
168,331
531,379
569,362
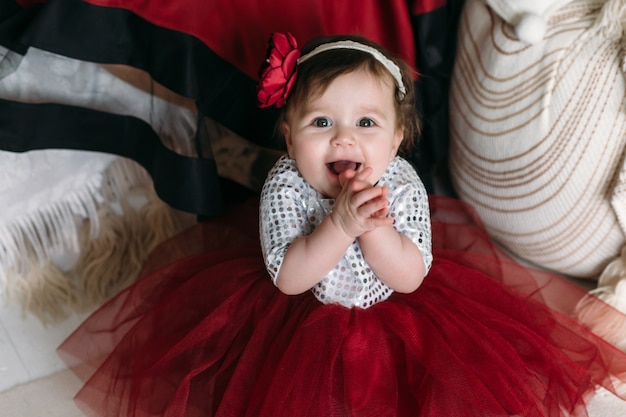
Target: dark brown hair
x,y
316,73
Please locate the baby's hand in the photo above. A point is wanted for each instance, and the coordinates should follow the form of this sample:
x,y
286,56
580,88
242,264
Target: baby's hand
x,y
360,207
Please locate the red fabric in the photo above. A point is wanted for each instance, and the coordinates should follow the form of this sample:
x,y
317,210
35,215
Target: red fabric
x,y
209,335
238,30
426,6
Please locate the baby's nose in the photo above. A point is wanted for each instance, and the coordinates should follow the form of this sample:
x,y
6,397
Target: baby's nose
x,y
343,137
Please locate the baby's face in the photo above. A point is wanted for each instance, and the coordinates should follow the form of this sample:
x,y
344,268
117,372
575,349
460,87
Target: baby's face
x,y
351,126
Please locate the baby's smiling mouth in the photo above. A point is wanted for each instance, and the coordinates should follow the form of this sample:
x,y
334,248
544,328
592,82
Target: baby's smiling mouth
x,y
338,167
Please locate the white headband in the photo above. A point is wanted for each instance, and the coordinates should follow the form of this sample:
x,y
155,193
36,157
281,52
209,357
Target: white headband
x,y
387,63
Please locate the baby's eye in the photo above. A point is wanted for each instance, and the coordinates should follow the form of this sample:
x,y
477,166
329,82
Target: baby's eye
x,y
365,122
321,122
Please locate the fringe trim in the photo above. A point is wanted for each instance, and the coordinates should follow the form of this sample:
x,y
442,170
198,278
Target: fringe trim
x,y
108,262
612,290
46,292
109,227
611,19
611,22
107,265
52,230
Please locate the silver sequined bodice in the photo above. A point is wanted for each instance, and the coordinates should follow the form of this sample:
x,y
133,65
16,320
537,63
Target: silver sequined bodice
x,y
290,208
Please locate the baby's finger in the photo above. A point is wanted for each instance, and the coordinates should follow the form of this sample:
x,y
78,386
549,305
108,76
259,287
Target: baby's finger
x,y
385,190
357,180
366,195
363,174
383,197
373,206
374,222
381,213
346,176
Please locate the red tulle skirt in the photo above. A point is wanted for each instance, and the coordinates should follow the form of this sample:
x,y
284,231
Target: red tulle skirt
x,y
209,335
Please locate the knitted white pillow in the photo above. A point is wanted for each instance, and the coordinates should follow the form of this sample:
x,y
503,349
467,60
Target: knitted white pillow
x,y
538,132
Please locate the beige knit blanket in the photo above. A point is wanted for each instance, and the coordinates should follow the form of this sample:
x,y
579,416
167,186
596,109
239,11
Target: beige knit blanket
x,y
538,133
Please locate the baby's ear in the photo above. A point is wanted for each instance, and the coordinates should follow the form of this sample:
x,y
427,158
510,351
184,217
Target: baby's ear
x,y
397,141
286,132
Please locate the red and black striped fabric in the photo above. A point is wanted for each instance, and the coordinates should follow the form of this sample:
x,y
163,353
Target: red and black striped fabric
x,y
209,51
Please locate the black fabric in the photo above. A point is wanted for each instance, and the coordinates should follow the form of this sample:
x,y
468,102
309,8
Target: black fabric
x,y
187,66
13,20
188,184
435,36
176,60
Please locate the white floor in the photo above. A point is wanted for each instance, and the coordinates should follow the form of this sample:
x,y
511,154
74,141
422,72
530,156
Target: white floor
x,y
27,348
35,383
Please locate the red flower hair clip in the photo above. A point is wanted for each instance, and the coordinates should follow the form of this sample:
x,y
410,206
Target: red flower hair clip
x,y
278,73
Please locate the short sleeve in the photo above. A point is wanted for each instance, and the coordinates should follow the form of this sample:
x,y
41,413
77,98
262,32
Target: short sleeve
x,y
409,207
282,213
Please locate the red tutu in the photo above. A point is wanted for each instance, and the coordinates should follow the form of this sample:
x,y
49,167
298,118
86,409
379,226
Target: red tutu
x,y
209,335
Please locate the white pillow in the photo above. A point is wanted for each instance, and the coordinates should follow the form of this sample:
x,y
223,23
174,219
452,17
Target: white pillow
x,y
538,133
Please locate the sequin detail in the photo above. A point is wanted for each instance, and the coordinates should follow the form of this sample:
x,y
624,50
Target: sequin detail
x,y
290,208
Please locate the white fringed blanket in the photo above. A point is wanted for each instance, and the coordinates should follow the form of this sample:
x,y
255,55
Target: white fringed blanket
x,y
74,227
